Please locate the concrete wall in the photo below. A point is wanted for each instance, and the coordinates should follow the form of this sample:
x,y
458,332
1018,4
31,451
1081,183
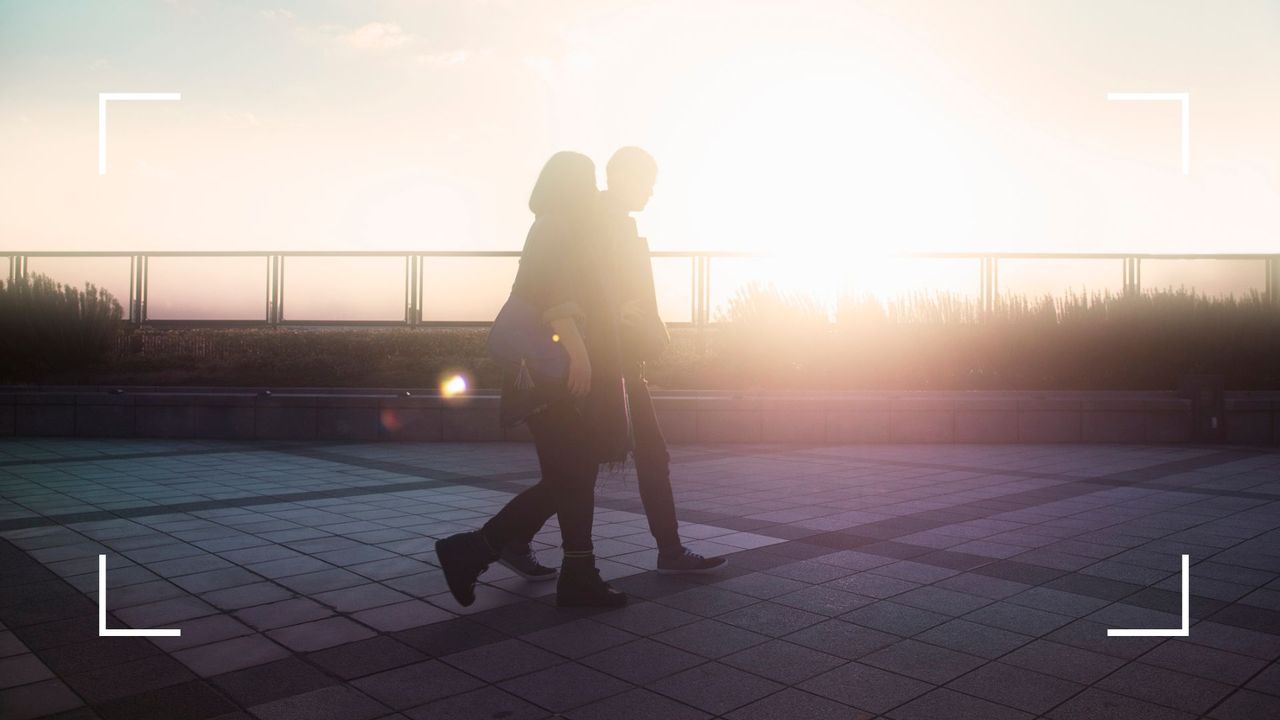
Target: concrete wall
x,y
687,417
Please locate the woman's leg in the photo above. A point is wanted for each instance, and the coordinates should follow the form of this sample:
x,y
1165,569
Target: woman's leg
x,y
569,473
566,489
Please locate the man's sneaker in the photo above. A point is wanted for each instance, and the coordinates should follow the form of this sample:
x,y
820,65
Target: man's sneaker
x,y
523,562
462,558
687,562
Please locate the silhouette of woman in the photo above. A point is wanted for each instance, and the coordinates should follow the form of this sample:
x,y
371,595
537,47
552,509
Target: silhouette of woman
x,y
565,273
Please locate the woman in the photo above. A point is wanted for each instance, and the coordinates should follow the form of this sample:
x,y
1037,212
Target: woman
x,y
564,273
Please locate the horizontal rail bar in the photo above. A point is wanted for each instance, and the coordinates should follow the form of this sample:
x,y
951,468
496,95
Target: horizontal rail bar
x,y
700,273
966,255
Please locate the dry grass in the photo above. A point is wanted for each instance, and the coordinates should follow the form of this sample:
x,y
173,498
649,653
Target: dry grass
x,y
50,328
765,340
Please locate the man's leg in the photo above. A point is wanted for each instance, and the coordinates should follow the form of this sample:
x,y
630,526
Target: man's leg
x,y
653,464
653,475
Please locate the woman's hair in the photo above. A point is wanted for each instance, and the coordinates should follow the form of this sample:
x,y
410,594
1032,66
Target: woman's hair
x,y
567,183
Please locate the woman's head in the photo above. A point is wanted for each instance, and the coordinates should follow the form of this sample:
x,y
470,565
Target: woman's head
x,y
567,184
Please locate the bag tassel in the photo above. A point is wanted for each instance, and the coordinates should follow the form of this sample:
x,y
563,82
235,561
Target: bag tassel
x,y
524,381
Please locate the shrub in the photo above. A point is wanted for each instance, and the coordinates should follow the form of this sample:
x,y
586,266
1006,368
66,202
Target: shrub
x,y
49,327
773,340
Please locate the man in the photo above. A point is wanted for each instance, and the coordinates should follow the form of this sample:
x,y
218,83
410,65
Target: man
x,y
631,175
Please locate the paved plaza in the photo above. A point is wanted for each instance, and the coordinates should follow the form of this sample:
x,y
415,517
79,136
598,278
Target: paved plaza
x,y
912,582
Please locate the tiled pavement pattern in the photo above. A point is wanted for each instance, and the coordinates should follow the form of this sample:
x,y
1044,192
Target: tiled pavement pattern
x,y
906,582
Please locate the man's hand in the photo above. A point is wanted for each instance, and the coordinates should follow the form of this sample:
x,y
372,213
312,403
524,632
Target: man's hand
x,y
579,374
632,313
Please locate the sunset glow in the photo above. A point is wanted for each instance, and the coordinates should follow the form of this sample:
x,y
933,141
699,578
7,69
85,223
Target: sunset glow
x,y
829,134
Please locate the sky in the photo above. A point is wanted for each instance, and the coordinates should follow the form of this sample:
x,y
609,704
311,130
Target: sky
x,y
829,132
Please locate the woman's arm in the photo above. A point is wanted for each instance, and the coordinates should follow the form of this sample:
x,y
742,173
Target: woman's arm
x,y
547,279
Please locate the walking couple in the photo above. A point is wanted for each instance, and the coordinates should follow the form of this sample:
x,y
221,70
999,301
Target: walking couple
x,y
587,274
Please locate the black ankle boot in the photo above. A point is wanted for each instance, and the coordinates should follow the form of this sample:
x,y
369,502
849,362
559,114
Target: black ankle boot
x,y
580,585
463,557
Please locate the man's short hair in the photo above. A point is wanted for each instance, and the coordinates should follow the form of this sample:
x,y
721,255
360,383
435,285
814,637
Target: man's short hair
x,y
631,162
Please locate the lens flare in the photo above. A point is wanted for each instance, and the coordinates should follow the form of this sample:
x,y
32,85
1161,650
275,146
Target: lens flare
x,y
454,386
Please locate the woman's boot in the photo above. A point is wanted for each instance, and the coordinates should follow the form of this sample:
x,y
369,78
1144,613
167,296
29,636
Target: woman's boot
x,y
580,584
463,557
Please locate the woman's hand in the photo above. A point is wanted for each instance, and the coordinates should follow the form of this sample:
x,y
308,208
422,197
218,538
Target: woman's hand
x,y
579,374
579,380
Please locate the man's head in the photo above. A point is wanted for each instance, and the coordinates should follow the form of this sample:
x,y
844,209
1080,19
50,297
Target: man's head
x,y
631,173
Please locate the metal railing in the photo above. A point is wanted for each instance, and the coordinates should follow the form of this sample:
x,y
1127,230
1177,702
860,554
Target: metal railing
x,y
700,277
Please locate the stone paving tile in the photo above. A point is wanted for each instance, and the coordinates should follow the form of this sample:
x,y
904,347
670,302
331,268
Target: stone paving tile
x,y
792,704
1247,705
646,618
861,579
842,639
642,661
331,703
320,634
944,703
771,619
1165,687
783,662
891,617
919,660
227,655
715,688
274,680
118,681
1095,704
503,660
1016,687
865,687
564,687
365,657
710,638
402,615
38,699
193,700
975,639
418,684
487,702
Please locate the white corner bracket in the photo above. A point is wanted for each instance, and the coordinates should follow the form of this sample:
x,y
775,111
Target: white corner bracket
x,y
1183,631
102,117
103,630
1181,97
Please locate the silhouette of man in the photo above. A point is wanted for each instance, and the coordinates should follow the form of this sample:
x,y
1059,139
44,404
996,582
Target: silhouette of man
x,y
631,175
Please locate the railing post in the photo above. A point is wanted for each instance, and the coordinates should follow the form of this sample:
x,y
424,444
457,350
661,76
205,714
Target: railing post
x,y
408,290
417,290
1132,276
706,290
1273,279
133,270
279,289
989,284
137,292
274,263
267,311
693,290
701,299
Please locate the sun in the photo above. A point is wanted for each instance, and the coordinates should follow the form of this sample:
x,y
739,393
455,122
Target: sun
x,y
833,170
